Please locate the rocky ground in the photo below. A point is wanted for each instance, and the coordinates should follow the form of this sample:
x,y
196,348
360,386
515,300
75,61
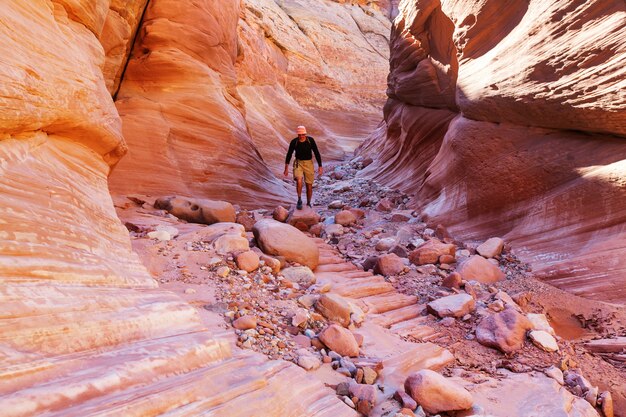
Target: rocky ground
x,y
503,329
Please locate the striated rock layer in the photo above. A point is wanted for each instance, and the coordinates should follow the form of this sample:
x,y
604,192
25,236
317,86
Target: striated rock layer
x,y
509,119
213,92
84,329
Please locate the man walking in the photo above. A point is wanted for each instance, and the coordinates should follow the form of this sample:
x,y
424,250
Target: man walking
x,y
303,165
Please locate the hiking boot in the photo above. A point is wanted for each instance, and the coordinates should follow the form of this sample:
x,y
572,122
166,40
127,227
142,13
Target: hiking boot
x,y
299,205
309,205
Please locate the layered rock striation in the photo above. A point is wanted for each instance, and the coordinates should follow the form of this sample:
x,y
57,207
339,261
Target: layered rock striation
x,y
212,93
509,118
85,330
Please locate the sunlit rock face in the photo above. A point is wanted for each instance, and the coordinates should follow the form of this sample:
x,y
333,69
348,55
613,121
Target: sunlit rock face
x,y
84,328
213,92
508,118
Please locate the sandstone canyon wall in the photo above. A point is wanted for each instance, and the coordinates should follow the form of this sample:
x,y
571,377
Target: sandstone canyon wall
x,y
509,118
84,328
212,92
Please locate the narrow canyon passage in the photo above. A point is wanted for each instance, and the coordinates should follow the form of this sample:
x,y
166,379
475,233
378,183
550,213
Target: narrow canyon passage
x,y
463,255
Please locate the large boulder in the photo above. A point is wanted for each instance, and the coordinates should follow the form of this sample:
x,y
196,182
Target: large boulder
x,y
275,238
505,331
437,394
197,210
340,340
477,268
430,251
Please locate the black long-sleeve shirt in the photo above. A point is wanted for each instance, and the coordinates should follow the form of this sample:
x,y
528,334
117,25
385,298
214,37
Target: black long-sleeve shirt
x,y
304,150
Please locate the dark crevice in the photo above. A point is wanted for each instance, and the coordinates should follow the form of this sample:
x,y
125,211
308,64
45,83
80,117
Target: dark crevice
x,y
130,50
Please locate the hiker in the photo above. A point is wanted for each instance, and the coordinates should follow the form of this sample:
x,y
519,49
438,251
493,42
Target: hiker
x,y
303,165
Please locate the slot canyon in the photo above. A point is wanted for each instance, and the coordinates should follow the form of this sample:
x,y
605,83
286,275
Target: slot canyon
x,y
463,254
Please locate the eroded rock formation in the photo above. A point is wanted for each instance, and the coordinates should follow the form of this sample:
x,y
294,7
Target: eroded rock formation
x,y
85,330
509,118
213,92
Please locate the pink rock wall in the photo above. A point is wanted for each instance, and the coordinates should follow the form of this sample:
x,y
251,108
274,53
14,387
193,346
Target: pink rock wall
x,y
212,94
84,329
509,119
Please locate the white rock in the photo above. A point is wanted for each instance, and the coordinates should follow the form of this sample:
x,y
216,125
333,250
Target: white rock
x,y
555,373
190,291
309,362
169,229
334,230
540,322
385,244
452,306
544,340
160,235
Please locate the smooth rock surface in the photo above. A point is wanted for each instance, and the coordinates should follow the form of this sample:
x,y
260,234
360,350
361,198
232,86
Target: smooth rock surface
x,y
520,94
281,239
389,264
491,247
436,393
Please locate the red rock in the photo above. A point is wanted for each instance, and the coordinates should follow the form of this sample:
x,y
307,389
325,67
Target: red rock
x,y
405,400
430,251
245,323
505,331
453,280
447,259
246,220
339,340
389,264
345,218
306,217
384,205
359,338
367,162
302,341
317,229
488,119
436,393
477,268
248,261
280,214
360,214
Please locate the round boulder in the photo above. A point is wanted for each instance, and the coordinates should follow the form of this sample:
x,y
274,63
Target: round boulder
x,y
275,238
437,394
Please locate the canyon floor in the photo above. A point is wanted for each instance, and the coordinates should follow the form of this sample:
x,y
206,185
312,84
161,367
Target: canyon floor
x,y
390,315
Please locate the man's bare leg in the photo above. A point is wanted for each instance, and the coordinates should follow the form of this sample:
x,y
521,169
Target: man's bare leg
x,y
309,193
299,187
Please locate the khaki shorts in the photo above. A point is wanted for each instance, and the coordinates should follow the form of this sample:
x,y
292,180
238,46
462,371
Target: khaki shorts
x,y
304,168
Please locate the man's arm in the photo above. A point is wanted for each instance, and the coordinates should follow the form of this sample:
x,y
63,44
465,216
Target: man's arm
x,y
292,147
318,157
